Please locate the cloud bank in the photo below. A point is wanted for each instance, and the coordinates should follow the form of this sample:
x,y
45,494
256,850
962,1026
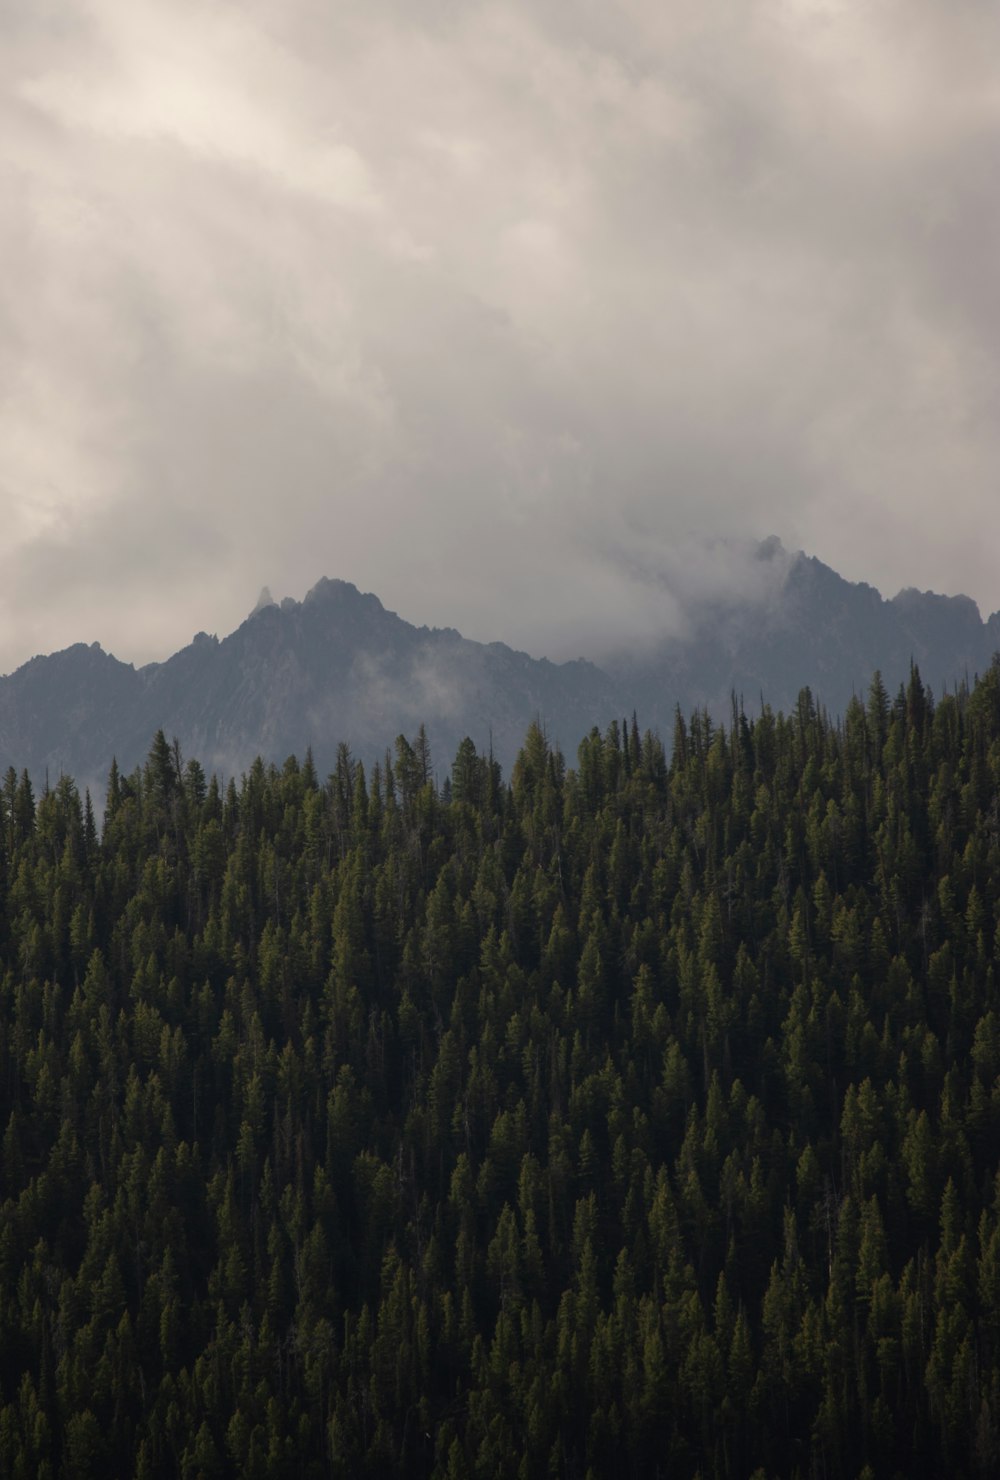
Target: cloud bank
x,y
506,312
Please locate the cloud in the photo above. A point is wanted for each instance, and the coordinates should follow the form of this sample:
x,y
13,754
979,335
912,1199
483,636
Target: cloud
x,y
504,312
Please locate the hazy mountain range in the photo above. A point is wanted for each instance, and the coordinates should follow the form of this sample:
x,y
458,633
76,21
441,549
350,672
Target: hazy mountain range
x,y
339,666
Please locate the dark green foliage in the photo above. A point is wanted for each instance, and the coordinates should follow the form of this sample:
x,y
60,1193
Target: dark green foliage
x,y
637,1119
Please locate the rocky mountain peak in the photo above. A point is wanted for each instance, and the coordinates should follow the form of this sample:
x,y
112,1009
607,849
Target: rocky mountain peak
x,y
264,600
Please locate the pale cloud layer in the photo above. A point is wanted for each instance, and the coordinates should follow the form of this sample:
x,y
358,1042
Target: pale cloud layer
x,y
499,310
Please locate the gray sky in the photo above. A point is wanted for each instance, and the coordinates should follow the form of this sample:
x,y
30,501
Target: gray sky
x,y
498,310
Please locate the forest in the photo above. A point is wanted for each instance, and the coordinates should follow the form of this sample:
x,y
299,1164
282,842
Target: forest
x,y
632,1117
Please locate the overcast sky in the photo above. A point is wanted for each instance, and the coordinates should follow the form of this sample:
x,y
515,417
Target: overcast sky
x,y
494,309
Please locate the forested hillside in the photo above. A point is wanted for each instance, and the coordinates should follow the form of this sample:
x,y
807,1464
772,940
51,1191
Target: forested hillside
x,y
637,1119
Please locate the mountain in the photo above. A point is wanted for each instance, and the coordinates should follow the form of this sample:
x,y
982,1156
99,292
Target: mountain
x,y
812,628
339,666
336,666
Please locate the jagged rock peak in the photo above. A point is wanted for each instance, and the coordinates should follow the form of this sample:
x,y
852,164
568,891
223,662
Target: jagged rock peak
x,y
264,600
910,598
327,589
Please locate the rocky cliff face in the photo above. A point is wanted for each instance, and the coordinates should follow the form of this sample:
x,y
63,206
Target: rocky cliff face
x,y
339,666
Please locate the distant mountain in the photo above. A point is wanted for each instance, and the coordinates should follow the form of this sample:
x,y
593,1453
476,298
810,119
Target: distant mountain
x,y
339,666
814,628
336,666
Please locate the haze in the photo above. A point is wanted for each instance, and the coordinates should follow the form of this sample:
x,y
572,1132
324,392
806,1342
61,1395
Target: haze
x,y
507,312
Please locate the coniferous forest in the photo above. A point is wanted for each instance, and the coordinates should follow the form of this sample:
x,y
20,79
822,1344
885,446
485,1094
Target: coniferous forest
x,y
639,1117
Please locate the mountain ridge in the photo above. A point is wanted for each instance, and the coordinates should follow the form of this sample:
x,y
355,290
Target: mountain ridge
x,y
341,666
